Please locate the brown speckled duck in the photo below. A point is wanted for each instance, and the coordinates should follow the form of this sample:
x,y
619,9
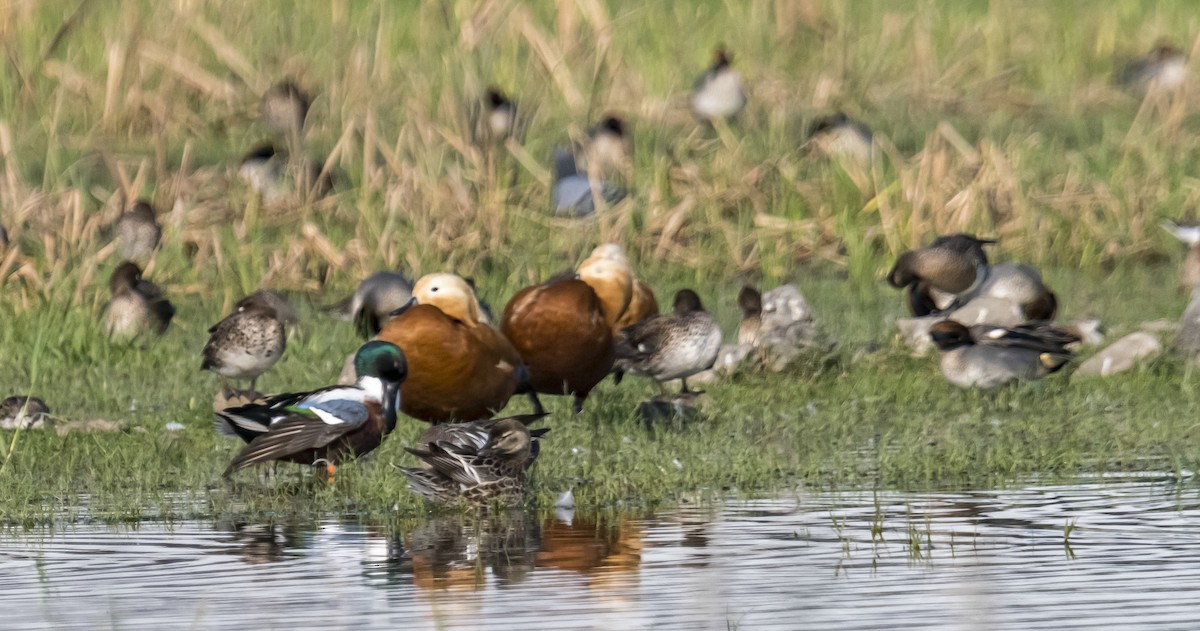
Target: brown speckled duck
x,y
673,346
137,306
246,343
494,472
138,232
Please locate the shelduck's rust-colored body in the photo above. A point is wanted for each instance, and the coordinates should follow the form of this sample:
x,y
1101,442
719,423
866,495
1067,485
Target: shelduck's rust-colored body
x,y
459,367
563,328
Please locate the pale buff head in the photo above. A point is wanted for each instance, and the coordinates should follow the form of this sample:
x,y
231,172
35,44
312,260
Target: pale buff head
x,y
451,295
612,281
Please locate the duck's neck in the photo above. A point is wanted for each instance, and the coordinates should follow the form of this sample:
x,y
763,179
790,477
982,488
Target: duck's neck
x,y
614,296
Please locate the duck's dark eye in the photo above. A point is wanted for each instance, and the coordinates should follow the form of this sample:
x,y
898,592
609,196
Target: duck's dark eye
x,y
434,290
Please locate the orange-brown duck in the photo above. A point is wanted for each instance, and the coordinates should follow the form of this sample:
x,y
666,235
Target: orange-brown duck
x,y
459,367
563,328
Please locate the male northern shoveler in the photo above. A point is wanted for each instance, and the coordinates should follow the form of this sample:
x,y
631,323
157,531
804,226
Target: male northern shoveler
x,y
495,471
986,356
136,306
138,232
718,93
324,426
672,346
247,342
460,368
935,276
563,328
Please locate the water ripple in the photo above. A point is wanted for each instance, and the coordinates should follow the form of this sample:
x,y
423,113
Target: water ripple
x,y
1099,554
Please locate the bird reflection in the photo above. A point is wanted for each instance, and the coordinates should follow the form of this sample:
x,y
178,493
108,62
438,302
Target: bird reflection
x,y
267,543
601,549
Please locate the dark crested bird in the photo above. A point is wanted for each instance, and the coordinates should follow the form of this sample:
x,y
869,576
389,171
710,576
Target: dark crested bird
x,y
460,368
986,356
839,136
563,328
718,93
494,472
750,301
936,276
138,232
137,306
247,342
324,426
573,193
671,346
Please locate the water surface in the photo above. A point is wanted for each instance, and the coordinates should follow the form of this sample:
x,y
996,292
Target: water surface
x,y
1098,554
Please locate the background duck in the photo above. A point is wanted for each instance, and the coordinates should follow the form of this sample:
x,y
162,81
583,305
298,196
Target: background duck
x,y
285,110
1020,285
987,356
1187,231
750,302
842,137
494,117
23,412
138,232
495,472
324,426
246,343
372,303
563,328
460,368
673,346
1164,68
609,148
718,93
934,276
137,306
573,193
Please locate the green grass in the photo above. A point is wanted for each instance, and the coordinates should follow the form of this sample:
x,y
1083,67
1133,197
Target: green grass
x,y
1065,168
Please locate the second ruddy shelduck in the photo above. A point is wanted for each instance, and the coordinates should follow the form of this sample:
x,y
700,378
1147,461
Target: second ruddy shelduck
x,y
563,328
459,367
642,303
